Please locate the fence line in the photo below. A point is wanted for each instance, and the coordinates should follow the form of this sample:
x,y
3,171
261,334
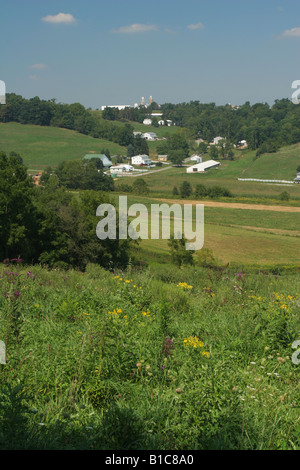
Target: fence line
x,y
266,181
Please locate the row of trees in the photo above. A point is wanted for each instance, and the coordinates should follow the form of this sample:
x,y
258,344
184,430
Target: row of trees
x,y
48,224
200,191
78,174
258,124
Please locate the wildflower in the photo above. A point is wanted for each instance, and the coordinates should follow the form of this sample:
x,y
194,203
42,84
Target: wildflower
x,y
184,285
87,314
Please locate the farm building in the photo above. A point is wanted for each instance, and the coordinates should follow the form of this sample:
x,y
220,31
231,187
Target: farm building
x,y
216,140
106,162
162,158
147,122
141,160
149,136
122,166
297,179
243,144
196,158
202,167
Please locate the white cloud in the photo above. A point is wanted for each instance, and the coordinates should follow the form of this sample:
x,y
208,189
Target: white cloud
x,y
135,28
38,66
294,32
196,26
66,18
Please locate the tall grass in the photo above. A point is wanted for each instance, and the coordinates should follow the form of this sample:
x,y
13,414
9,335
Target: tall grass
x,y
161,358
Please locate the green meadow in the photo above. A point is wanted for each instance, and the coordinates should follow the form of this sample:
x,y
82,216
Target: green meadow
x,y
239,236
43,146
157,358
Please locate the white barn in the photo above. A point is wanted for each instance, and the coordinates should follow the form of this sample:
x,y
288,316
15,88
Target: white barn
x,y
149,136
122,167
141,160
202,167
196,158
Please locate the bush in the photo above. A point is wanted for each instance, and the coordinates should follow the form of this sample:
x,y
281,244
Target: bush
x,y
284,196
205,258
185,189
219,191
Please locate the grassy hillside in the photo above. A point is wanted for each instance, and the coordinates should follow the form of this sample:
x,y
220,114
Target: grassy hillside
x,y
162,359
42,146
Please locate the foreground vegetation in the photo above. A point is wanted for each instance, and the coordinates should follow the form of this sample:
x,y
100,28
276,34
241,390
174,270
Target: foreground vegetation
x,y
159,358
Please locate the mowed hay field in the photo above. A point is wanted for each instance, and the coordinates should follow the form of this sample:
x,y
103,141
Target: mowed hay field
x,y
43,146
240,236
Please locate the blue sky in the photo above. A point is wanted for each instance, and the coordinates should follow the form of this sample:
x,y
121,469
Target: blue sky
x,y
105,52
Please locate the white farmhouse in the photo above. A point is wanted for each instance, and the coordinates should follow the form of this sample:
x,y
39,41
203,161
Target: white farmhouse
x,y
141,160
149,136
147,122
203,167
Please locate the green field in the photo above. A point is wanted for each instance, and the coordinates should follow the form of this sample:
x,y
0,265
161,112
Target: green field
x,y
43,146
281,166
160,359
239,236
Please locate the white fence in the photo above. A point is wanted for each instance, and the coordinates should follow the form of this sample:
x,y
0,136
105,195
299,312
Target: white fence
x,y
266,181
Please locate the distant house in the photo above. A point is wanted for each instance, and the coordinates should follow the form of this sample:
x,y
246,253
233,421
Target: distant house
x,y
115,170
91,156
196,158
147,122
141,160
216,140
161,122
121,167
169,122
37,178
297,179
149,136
162,158
242,144
203,167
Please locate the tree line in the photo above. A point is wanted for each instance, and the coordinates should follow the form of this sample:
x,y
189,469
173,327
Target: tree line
x,y
261,125
68,116
50,225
